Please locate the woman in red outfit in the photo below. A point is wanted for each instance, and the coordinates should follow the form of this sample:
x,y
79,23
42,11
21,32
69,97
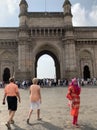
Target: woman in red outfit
x,y
74,100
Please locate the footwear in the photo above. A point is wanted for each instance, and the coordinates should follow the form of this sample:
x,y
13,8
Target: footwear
x,y
76,125
8,125
12,122
39,119
27,121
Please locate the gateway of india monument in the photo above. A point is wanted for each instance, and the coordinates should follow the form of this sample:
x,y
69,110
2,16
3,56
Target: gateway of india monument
x,y
73,49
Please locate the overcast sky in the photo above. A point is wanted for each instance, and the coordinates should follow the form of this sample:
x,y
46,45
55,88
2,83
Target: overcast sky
x,y
84,12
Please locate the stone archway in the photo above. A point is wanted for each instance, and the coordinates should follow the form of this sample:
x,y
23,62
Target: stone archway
x,y
57,64
6,75
86,72
86,64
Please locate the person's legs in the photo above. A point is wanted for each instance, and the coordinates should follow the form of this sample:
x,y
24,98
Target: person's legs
x,y
11,115
29,115
38,114
74,120
9,112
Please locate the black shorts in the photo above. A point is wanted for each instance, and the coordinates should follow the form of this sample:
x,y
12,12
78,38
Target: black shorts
x,y
12,103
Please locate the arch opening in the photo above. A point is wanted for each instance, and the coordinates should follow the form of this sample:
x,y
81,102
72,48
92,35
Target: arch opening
x,y
6,75
86,72
56,65
46,67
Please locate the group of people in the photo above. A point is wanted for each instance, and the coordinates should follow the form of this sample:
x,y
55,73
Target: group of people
x,y
11,93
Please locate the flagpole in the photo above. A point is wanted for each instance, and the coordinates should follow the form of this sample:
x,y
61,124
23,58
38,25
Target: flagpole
x,y
45,5
45,8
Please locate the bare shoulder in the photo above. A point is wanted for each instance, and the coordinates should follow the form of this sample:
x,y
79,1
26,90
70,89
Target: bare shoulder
x,y
38,86
31,86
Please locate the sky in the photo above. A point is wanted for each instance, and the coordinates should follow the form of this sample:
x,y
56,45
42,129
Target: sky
x,y
84,14
84,11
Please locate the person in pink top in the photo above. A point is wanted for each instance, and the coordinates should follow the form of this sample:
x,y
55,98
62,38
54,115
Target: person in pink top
x,y
35,99
73,96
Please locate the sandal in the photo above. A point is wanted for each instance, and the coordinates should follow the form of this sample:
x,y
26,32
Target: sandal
x,y
27,121
76,125
8,125
12,122
39,119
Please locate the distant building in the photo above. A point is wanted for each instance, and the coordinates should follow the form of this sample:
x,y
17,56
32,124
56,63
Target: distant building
x,y
74,49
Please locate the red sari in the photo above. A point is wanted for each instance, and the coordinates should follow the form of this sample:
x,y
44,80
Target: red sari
x,y
73,96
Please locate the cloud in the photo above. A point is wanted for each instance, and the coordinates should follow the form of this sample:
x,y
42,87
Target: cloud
x,y
79,15
93,15
9,9
83,17
12,6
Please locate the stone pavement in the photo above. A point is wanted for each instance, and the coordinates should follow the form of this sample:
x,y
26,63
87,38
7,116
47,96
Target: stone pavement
x,y
54,111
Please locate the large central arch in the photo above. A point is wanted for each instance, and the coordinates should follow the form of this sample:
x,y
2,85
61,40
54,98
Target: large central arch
x,y
57,65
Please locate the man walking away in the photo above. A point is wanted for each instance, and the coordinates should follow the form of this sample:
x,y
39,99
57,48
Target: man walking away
x,y
11,93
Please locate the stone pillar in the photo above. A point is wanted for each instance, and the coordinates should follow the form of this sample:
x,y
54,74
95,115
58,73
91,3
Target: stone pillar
x,y
95,62
24,63
24,58
70,59
69,43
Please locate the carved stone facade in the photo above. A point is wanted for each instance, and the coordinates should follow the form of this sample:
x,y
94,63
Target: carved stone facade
x,y
74,49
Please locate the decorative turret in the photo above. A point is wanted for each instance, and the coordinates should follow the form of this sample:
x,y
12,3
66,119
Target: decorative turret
x,y
23,43
67,13
23,7
23,13
69,43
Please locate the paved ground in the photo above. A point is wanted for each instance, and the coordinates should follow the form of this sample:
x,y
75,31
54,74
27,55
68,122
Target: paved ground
x,y
54,111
